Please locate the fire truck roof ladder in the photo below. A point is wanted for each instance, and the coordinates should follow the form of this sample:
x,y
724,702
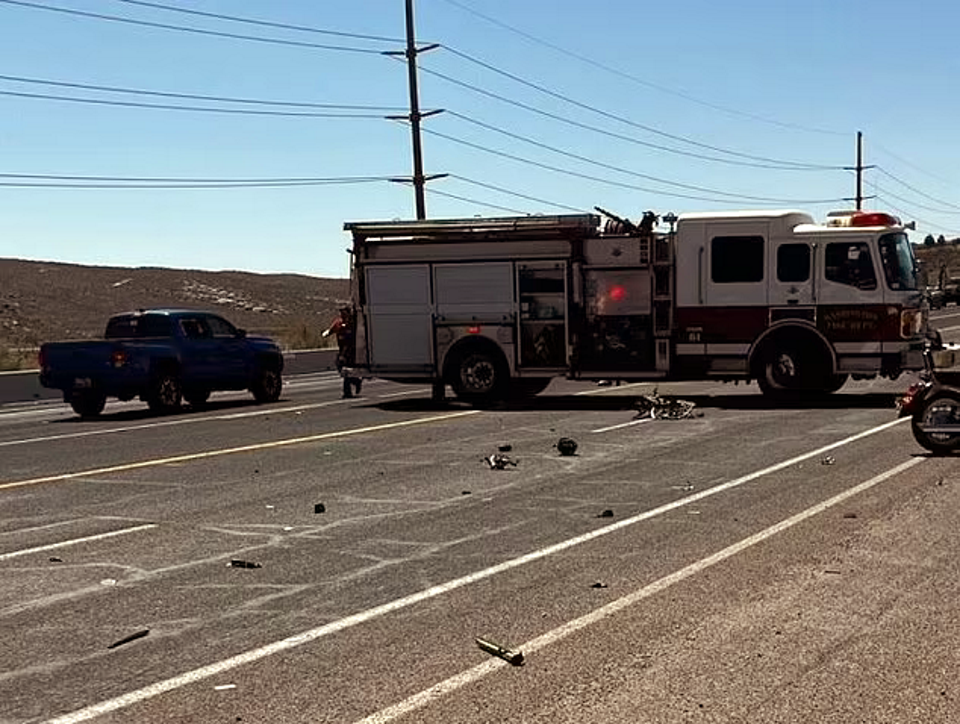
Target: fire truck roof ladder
x,y
564,225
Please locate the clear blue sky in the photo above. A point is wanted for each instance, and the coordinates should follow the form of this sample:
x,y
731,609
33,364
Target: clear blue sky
x,y
594,91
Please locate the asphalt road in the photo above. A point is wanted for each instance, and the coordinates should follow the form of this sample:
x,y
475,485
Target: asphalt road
x,y
752,564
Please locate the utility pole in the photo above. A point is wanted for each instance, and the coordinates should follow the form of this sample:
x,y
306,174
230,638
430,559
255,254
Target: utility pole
x,y
415,116
859,170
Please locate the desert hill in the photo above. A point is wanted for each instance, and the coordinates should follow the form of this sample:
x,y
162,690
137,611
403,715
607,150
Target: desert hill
x,y
46,301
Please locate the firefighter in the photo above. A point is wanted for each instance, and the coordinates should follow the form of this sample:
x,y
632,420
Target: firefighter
x,y
344,327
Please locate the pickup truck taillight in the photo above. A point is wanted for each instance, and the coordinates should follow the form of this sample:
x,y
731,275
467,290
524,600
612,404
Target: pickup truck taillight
x,y
118,358
42,358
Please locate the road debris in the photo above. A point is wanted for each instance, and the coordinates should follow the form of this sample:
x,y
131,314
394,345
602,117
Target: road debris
x,y
605,514
128,639
850,516
499,462
657,407
319,508
566,446
224,687
505,447
56,559
514,658
827,460
599,585
108,582
237,563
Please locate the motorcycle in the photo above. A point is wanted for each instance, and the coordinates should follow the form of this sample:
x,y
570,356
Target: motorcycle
x,y
933,402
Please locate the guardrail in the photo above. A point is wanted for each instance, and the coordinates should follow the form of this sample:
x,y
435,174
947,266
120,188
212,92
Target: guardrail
x,y
24,386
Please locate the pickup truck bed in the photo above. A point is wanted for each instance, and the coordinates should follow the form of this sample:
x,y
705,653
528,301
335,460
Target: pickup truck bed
x,y
162,356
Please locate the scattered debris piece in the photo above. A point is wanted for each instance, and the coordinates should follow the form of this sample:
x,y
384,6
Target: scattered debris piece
x,y
108,582
319,508
271,507
128,639
693,512
224,687
506,447
827,460
833,571
500,462
511,657
237,563
55,559
465,492
850,516
599,585
686,488
656,407
288,528
606,514
566,446
603,383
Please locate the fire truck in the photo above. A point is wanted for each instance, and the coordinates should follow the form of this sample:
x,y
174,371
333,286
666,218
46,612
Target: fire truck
x,y
497,307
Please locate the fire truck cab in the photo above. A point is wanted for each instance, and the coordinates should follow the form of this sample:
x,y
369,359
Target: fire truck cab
x,y
498,307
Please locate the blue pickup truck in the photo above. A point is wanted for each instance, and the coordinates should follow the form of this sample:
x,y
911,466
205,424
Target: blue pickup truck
x,y
162,356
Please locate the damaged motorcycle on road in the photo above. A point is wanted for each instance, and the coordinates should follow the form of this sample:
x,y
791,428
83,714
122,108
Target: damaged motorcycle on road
x,y
933,402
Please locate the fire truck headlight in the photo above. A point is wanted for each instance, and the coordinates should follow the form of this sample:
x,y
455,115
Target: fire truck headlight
x,y
911,323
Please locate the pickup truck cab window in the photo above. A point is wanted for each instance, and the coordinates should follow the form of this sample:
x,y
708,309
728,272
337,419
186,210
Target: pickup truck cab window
x,y
194,328
132,325
220,327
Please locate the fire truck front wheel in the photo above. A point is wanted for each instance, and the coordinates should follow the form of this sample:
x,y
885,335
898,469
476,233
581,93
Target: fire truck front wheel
x,y
479,376
788,370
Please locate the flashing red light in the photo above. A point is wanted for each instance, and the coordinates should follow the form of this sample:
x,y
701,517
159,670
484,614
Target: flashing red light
x,y
473,330
118,358
874,218
618,293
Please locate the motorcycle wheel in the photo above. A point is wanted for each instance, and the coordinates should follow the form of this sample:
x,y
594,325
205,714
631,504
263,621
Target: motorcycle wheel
x,y
941,410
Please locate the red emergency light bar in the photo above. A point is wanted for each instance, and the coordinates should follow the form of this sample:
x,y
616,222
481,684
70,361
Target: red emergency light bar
x,y
862,218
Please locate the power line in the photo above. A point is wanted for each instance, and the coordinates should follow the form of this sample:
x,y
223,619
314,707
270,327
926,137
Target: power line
x,y
187,29
618,136
585,159
638,80
627,121
261,23
192,109
917,204
619,184
907,215
475,202
153,182
917,191
193,96
516,194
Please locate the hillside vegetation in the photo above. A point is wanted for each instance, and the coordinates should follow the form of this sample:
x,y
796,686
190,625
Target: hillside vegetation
x,y
47,301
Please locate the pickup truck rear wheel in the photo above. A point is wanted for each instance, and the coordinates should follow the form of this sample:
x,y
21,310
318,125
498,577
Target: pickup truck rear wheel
x,y
267,385
88,404
165,394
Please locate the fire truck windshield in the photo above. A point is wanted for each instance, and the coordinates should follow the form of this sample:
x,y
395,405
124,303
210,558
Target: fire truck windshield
x,y
899,264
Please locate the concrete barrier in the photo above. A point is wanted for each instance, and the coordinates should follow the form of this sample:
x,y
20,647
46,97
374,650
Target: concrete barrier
x,y
25,386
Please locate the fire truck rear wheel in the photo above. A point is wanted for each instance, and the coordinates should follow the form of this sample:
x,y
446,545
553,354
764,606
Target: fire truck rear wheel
x,y
479,376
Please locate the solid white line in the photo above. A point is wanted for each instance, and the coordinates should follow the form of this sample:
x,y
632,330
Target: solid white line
x,y
247,657
174,423
189,457
76,541
428,696
623,424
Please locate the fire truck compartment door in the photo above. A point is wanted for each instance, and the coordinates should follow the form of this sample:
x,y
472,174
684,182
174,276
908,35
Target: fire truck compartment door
x,y
400,314
474,292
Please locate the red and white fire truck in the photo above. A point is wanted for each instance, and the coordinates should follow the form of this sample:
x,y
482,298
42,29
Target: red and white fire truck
x,y
496,307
